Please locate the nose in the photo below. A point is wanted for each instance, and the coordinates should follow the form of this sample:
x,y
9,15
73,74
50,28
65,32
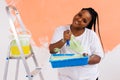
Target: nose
x,y
79,19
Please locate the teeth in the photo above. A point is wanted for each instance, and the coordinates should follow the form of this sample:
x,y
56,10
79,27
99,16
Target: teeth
x,y
76,22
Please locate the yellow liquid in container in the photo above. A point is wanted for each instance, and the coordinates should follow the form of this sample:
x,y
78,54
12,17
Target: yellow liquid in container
x,y
16,53
25,44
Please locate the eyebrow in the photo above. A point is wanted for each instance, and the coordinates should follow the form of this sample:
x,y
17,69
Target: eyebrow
x,y
81,13
83,17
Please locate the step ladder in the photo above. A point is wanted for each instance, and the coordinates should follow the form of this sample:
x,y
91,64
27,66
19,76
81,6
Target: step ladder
x,y
12,13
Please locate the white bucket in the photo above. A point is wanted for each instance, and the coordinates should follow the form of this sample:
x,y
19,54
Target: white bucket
x,y
25,43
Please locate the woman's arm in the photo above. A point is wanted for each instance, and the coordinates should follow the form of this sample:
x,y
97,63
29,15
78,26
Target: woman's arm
x,y
94,59
96,49
58,45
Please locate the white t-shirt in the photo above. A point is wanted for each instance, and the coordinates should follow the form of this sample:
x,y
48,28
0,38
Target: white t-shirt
x,y
91,45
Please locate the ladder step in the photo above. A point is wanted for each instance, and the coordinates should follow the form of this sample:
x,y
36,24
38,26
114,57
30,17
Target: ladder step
x,y
19,57
35,72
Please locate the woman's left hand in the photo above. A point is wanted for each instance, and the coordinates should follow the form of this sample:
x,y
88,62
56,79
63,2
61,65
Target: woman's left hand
x,y
94,59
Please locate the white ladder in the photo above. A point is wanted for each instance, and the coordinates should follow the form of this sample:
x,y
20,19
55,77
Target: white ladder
x,y
29,74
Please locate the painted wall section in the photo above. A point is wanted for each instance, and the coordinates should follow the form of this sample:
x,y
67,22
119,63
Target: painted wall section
x,y
41,17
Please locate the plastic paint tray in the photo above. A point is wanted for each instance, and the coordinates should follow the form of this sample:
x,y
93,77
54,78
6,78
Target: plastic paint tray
x,y
67,60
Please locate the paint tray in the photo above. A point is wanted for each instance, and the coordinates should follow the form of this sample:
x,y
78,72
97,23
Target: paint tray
x,y
68,60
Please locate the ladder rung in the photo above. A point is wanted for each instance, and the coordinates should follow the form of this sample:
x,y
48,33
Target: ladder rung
x,y
26,57
35,72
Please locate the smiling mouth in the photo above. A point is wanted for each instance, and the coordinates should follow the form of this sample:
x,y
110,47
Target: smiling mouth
x,y
76,22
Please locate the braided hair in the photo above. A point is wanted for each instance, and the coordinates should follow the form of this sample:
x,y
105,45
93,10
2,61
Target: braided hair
x,y
95,17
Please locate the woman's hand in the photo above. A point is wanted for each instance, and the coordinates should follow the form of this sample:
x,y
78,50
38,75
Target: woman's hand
x,y
94,59
85,54
54,48
66,35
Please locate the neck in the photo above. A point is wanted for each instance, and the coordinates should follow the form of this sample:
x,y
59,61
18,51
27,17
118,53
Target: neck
x,y
77,31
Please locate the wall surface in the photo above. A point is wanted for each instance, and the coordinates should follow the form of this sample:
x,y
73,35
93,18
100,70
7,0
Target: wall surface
x,y
41,17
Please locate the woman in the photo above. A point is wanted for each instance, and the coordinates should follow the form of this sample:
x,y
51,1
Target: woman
x,y
79,31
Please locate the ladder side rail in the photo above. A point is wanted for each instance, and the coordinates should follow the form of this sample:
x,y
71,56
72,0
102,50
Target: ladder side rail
x,y
24,30
34,58
7,63
18,42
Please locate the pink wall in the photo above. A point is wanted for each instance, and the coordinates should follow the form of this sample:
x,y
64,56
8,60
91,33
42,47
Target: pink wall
x,y
41,17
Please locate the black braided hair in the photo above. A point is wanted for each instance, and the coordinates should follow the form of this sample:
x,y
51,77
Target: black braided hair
x,y
95,17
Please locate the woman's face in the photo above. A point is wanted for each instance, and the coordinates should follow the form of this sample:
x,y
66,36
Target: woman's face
x,y
82,19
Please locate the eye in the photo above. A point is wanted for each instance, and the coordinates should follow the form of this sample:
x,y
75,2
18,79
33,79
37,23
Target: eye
x,y
84,20
79,14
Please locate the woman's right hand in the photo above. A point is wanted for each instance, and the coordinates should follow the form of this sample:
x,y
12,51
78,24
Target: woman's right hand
x,y
60,43
67,35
